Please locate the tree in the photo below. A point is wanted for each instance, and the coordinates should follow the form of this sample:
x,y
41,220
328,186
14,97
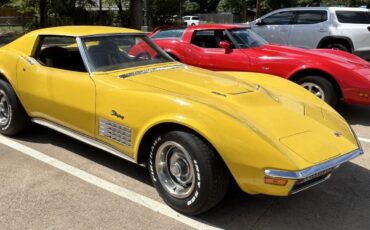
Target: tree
x,y
100,11
120,12
121,4
43,13
190,7
351,3
4,2
24,6
136,14
258,8
235,6
208,6
165,7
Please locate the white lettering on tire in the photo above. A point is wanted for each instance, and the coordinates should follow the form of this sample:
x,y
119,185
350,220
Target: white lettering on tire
x,y
151,167
195,196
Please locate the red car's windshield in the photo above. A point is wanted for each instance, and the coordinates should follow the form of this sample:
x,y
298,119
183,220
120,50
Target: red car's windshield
x,y
246,38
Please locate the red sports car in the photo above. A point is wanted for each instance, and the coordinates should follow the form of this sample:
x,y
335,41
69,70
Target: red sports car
x,y
330,74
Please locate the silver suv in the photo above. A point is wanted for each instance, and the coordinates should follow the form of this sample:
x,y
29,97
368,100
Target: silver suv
x,y
341,28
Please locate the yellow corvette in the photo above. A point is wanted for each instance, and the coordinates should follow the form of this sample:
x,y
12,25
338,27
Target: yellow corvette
x,y
194,129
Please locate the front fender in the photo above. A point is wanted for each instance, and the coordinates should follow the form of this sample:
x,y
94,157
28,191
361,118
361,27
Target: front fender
x,y
245,153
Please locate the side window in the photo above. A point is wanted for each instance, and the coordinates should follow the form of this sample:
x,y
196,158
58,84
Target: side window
x,y
353,17
60,52
209,38
311,16
172,33
281,18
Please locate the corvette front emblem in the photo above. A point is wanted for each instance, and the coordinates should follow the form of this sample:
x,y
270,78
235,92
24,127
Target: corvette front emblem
x,y
337,134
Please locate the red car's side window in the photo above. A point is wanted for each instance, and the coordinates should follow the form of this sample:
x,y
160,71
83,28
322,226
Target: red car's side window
x,y
208,38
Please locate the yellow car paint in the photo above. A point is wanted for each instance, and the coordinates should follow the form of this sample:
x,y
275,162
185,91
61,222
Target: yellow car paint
x,y
254,121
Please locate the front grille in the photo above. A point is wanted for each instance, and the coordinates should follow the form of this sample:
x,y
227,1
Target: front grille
x,y
311,180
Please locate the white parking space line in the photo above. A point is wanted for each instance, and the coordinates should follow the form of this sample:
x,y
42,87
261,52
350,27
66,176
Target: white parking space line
x,y
364,139
106,185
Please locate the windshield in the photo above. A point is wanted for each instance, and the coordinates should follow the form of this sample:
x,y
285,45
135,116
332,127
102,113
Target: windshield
x,y
114,52
246,38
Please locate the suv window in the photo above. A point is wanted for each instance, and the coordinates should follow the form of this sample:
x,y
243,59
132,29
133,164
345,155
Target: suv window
x,y
281,18
195,18
311,16
174,33
355,17
60,52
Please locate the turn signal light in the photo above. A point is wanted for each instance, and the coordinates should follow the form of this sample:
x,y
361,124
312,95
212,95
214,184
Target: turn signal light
x,y
363,95
275,181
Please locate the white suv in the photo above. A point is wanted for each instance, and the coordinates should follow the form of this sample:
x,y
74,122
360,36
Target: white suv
x,y
341,28
191,20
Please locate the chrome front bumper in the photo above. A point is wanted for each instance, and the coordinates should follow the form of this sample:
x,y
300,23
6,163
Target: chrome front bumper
x,y
314,175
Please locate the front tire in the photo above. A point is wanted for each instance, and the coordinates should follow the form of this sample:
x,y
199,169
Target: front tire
x,y
13,118
187,173
320,87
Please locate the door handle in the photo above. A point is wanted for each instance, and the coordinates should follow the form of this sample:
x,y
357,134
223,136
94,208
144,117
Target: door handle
x,y
322,30
284,30
30,60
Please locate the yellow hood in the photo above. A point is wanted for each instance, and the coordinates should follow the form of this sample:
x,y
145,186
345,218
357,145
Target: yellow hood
x,y
287,122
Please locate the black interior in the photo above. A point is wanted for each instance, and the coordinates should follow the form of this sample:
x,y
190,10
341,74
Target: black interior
x,y
209,40
106,53
62,58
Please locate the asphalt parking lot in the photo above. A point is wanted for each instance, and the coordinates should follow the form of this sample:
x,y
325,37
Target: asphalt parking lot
x,y
64,184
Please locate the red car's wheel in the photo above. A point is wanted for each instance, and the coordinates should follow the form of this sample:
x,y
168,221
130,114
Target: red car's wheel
x,y
320,87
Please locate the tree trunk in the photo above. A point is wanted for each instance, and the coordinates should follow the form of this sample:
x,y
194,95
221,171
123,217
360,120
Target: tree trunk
x,y
120,11
100,12
43,15
258,8
136,14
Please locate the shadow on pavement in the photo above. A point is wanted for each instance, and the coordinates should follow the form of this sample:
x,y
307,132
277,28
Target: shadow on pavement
x,y
342,202
355,114
39,134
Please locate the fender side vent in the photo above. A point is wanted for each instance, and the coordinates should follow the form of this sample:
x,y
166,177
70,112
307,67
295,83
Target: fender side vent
x,y
115,131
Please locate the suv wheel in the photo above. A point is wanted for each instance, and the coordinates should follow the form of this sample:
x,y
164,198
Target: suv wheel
x,y
337,46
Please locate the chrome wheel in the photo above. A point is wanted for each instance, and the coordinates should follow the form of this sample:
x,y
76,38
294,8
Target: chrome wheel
x,y
315,89
4,109
175,169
